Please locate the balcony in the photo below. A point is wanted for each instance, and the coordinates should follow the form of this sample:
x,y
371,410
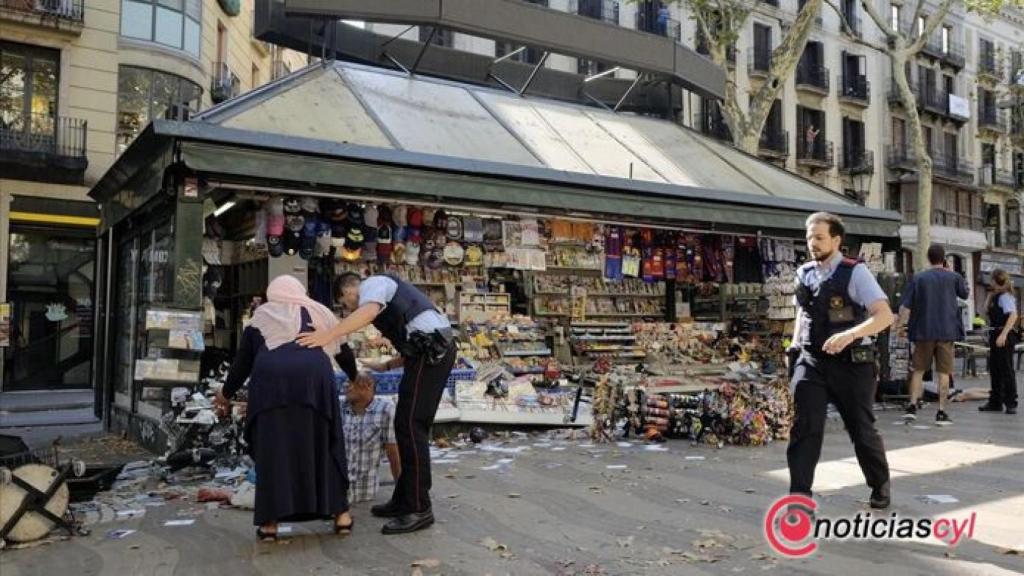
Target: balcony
x,y
758,64
64,15
894,92
774,143
989,68
952,167
224,85
711,123
991,176
654,24
954,55
901,158
703,49
42,148
812,79
855,89
606,10
856,162
816,156
991,121
933,100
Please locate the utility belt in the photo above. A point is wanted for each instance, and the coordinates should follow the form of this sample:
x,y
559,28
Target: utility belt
x,y
853,354
432,346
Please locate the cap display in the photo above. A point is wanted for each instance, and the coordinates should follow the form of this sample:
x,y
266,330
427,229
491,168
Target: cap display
x,y
454,253
454,228
275,246
292,205
309,204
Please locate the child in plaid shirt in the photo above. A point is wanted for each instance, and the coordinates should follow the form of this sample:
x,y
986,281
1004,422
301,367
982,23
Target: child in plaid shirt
x,y
369,434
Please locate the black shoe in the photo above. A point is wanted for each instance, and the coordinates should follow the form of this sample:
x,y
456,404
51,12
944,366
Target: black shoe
x,y
911,414
409,523
386,510
880,497
1011,409
989,407
942,419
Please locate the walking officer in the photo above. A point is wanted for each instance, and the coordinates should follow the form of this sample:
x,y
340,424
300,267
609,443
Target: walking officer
x,y
425,342
840,305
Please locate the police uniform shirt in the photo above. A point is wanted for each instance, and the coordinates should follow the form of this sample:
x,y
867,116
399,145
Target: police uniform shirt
x,y
381,289
863,290
1007,304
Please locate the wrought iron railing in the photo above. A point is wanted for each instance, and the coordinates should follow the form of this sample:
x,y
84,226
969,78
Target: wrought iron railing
x,y
815,77
73,10
42,134
855,87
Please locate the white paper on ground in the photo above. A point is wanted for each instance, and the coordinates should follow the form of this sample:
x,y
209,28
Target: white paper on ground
x,y
655,448
131,513
941,499
616,466
445,461
625,444
694,457
188,522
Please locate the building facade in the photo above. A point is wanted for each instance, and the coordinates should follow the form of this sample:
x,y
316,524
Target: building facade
x,y
839,122
79,79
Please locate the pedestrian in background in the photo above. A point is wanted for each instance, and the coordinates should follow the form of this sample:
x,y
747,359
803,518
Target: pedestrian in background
x,y
930,313
1003,338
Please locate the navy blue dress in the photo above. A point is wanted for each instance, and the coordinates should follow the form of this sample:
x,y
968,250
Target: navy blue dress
x,y
293,427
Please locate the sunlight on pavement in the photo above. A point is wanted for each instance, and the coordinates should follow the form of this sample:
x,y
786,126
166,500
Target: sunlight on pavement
x,y
964,567
911,461
998,522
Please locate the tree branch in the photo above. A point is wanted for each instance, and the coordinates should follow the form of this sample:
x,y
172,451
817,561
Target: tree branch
x,y
847,30
930,25
869,7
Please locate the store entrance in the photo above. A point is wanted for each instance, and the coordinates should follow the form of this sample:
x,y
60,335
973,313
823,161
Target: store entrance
x,y
50,285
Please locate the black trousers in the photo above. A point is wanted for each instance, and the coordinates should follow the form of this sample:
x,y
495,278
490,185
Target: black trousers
x,y
851,387
1001,374
419,394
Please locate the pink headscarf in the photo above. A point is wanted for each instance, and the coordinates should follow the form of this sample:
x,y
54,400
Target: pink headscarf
x,y
280,319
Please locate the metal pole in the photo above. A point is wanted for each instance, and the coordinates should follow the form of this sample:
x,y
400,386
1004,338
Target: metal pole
x,y
533,74
628,92
423,50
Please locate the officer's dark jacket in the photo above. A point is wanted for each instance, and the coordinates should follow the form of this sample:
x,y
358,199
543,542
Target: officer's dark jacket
x,y
827,308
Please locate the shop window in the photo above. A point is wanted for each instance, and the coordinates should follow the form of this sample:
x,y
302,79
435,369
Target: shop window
x,y
171,23
50,281
144,95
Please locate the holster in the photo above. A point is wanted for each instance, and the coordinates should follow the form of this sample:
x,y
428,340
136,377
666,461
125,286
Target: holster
x,y
433,346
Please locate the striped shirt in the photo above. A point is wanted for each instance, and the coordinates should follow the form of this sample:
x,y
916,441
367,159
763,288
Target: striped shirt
x,y
366,435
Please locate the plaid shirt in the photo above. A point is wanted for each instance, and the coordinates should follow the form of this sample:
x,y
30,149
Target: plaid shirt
x,y
365,437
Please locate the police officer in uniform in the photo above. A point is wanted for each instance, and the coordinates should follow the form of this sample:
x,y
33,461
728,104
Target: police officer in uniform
x,y
424,339
839,305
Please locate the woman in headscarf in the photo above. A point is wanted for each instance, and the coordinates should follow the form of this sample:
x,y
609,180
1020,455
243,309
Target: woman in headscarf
x,y
294,424
1003,338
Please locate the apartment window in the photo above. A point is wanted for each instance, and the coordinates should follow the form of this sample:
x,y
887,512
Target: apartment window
x,y
947,33
929,138
29,78
952,147
762,47
895,18
854,143
899,134
144,94
172,23
920,25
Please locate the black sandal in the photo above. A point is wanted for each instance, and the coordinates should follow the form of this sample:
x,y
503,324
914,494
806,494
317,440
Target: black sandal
x,y
266,536
344,529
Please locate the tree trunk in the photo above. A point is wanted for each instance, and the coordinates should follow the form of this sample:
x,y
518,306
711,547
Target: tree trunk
x,y
924,161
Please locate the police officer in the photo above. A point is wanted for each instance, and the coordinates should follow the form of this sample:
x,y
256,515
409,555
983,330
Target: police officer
x,y
424,339
839,305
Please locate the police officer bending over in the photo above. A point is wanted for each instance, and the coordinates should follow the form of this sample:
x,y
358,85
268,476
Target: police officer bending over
x,y
840,305
424,339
